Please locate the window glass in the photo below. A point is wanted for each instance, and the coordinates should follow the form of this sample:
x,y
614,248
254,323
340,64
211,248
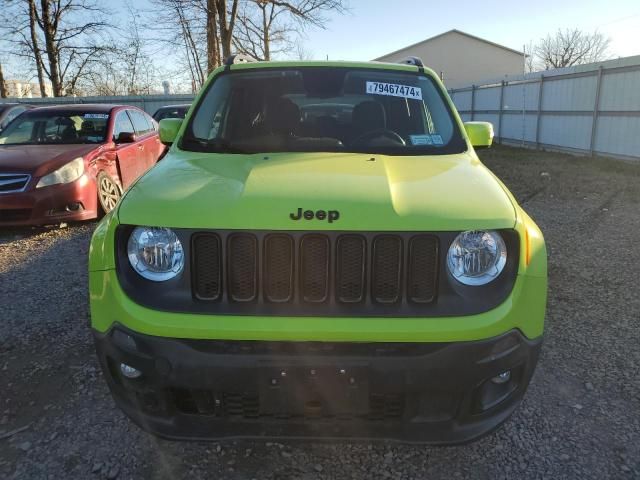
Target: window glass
x,y
13,113
56,127
122,125
324,109
140,122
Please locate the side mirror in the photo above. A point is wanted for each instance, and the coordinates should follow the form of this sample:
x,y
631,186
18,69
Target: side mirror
x,y
480,134
169,128
126,137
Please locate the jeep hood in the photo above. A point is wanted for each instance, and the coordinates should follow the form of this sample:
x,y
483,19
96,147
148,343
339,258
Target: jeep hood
x,y
371,192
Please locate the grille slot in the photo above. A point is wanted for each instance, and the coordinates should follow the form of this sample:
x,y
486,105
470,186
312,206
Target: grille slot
x,y
13,182
350,268
207,267
278,268
242,265
422,267
314,268
387,266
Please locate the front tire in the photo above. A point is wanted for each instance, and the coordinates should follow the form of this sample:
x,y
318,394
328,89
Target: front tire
x,y
109,192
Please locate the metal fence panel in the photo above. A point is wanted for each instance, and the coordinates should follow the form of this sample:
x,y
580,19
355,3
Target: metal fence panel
x,y
588,108
620,91
514,98
569,131
619,135
487,98
462,100
512,127
575,94
148,103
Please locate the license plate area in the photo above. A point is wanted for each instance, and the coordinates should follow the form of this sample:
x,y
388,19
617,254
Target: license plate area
x,y
314,391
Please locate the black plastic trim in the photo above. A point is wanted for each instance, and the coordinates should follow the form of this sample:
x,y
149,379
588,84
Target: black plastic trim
x,y
414,373
453,298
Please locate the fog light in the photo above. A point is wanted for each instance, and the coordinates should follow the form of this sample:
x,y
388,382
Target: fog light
x,y
504,377
129,371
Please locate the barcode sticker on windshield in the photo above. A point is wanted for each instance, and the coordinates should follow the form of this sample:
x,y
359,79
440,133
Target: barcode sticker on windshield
x,y
394,90
102,116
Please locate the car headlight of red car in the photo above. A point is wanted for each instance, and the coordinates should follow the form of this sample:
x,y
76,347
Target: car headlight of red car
x,y
69,172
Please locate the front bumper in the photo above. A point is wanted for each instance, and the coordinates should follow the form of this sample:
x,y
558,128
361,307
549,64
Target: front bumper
x,y
50,204
412,392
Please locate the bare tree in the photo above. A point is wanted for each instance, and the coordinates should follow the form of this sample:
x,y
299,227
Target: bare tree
x,y
35,47
226,22
529,58
183,24
19,27
126,67
262,32
571,47
213,38
269,27
3,86
70,28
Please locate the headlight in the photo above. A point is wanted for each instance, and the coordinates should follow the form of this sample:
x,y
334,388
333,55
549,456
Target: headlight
x,y
155,253
66,174
476,257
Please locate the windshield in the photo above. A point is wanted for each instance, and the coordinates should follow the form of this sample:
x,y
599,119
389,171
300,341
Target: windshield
x,y
56,127
324,109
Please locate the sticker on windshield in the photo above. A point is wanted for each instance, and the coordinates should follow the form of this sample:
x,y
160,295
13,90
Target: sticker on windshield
x,y
420,139
394,90
102,116
437,139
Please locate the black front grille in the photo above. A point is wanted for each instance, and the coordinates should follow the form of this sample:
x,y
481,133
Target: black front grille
x,y
337,269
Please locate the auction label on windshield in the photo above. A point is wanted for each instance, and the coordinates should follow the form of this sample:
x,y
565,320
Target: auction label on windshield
x,y
394,90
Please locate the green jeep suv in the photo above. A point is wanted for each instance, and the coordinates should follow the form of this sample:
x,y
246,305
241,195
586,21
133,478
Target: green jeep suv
x,y
320,254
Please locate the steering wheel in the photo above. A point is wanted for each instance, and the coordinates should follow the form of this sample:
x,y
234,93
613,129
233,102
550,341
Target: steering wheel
x,y
381,132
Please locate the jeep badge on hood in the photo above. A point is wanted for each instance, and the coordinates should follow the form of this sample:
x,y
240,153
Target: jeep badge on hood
x,y
331,215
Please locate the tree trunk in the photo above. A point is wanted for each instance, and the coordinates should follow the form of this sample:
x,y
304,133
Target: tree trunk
x,y
226,26
3,86
36,48
265,34
52,49
213,40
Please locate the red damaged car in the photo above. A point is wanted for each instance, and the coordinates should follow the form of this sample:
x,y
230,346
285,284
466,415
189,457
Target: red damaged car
x,y
68,162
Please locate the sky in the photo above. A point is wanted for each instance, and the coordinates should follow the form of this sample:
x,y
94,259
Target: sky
x,y
374,28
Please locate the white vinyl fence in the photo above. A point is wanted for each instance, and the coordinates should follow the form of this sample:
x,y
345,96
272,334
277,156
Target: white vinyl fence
x,y
148,103
592,109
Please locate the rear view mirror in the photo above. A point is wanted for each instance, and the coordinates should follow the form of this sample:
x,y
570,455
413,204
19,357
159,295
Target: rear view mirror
x,y
169,128
126,137
480,134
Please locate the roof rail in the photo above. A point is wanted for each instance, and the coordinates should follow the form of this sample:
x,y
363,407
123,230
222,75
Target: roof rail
x,y
238,58
417,61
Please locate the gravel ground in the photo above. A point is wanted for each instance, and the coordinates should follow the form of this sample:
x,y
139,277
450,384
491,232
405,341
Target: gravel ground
x,y
580,418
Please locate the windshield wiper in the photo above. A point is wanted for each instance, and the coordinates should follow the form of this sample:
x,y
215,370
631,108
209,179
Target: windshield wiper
x,y
217,145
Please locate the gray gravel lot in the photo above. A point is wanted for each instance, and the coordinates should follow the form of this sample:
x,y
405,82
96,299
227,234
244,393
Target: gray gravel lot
x,y
580,418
